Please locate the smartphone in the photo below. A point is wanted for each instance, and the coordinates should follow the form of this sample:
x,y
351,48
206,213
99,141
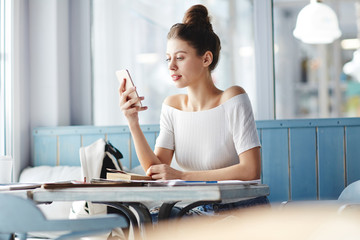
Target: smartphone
x,y
124,74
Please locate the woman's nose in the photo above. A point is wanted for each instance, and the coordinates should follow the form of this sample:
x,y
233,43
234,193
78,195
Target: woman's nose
x,y
172,65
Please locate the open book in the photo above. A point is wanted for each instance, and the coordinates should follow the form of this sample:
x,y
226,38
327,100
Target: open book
x,y
19,186
113,174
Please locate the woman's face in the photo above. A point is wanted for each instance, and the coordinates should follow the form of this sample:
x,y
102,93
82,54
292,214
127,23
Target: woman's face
x,y
185,66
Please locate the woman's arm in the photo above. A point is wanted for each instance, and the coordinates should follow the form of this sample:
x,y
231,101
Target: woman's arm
x,y
145,154
249,168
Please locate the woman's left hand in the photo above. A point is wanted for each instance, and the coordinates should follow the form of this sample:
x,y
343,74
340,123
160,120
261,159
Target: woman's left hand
x,y
163,172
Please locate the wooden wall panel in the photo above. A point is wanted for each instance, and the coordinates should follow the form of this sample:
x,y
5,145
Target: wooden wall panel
x,y
275,163
122,142
302,159
68,150
88,139
331,162
303,169
352,153
45,150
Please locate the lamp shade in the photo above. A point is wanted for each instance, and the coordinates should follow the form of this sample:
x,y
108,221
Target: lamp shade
x,y
352,68
317,24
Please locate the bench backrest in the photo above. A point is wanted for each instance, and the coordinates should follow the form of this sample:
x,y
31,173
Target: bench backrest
x,y
305,159
309,159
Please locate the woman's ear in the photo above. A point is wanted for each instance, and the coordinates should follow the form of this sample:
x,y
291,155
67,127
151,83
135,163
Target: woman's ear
x,y
207,58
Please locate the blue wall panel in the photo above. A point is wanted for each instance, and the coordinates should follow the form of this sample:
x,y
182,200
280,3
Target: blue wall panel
x,y
331,162
69,146
323,138
45,149
303,164
352,154
275,163
88,139
122,142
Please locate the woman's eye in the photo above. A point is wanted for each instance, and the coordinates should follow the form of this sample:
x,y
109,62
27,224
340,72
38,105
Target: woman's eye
x,y
177,58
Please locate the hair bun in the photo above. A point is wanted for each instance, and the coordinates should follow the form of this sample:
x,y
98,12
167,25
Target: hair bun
x,y
197,31
197,16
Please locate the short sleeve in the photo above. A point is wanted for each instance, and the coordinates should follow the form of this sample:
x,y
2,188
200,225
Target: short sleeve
x,y
242,124
166,135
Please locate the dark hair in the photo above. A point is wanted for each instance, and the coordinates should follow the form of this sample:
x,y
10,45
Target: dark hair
x,y
197,30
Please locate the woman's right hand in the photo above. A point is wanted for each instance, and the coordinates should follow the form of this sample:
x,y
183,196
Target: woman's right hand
x,y
127,104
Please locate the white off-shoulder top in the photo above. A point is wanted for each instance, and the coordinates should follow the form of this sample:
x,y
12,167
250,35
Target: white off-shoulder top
x,y
209,139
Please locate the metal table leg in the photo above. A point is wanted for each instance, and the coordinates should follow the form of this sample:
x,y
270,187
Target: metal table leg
x,y
165,210
187,208
128,213
143,211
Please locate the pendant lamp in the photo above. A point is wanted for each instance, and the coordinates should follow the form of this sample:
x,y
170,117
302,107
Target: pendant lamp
x,y
352,68
317,24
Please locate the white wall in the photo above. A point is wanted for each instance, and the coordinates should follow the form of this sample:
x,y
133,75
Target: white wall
x,y
52,74
80,63
49,63
21,93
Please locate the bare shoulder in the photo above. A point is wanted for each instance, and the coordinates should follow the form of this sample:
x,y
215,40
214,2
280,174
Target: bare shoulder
x,y
175,101
232,92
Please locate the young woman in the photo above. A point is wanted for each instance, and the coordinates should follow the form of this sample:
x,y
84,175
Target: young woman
x,y
211,132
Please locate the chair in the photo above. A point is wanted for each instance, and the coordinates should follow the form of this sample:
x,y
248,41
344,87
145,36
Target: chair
x,y
21,216
351,193
350,197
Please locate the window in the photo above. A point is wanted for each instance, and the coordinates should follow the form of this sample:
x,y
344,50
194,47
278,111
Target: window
x,y
310,79
132,35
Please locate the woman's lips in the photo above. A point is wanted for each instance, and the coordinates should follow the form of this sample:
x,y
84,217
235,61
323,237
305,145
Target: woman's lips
x,y
175,77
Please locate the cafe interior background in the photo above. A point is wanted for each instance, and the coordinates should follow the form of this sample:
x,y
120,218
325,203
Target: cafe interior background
x,y
59,59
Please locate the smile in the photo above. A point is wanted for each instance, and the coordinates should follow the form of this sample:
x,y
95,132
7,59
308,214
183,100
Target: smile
x,y
175,77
